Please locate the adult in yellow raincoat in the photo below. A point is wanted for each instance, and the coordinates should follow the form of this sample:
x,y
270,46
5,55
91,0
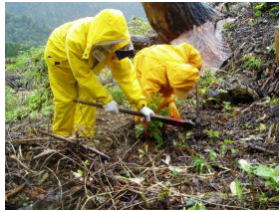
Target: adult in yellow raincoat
x,y
76,53
169,70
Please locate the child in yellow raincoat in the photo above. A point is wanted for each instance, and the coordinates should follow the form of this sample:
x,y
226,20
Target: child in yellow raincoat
x,y
169,70
76,53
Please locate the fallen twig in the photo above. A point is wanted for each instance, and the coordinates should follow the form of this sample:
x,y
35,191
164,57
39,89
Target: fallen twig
x,y
15,191
22,164
28,140
73,142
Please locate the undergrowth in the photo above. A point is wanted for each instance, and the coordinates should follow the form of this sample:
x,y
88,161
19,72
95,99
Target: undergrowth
x,y
34,100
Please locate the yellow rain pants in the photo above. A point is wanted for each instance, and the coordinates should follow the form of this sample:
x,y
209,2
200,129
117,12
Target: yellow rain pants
x,y
169,70
73,65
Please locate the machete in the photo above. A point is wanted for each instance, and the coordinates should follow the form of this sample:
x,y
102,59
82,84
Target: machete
x,y
188,124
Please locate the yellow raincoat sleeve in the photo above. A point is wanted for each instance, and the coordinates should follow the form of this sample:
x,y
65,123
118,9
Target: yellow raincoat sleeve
x,y
124,73
84,75
194,57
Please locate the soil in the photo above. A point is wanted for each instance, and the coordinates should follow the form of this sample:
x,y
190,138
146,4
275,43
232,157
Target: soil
x,y
45,173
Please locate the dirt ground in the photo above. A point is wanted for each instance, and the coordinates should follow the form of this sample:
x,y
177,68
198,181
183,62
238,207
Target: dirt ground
x,y
45,173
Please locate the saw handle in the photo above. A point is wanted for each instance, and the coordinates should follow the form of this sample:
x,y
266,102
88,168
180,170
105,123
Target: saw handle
x,y
167,120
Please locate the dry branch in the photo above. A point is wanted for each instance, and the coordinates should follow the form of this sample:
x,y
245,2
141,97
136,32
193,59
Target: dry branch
x,y
73,142
15,191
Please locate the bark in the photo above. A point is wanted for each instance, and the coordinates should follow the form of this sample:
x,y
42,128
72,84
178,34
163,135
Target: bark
x,y
192,22
172,19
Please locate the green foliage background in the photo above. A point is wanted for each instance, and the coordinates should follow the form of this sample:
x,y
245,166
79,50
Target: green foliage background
x,y
28,24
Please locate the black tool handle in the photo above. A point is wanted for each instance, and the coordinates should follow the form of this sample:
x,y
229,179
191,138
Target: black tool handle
x,y
167,120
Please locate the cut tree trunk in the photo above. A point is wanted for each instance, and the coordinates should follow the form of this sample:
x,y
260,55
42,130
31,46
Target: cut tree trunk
x,y
191,22
171,19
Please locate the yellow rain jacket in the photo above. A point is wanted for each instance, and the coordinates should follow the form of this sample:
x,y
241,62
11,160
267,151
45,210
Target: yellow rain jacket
x,y
74,59
168,70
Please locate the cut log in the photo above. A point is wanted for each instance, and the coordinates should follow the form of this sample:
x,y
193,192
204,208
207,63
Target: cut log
x,y
171,19
192,22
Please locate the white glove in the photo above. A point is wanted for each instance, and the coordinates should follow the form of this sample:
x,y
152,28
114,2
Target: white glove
x,y
147,113
112,106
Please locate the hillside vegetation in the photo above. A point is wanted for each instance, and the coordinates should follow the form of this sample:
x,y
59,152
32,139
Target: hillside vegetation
x,y
229,161
30,24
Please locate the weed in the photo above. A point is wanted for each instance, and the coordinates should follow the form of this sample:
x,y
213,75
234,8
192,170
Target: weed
x,y
224,147
227,141
163,195
139,26
174,173
80,172
269,173
32,104
155,128
212,133
262,127
15,105
212,155
207,78
227,105
262,198
272,9
118,95
273,100
257,14
251,62
247,126
236,188
200,164
193,204
198,206
229,25
142,152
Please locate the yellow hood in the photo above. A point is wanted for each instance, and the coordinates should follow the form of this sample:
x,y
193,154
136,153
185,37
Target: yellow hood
x,y
109,25
182,78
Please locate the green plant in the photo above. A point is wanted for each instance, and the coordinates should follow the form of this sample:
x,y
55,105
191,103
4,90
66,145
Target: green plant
x,y
200,164
229,25
193,204
236,188
251,62
152,130
212,155
272,8
198,206
227,105
15,105
174,173
262,198
207,79
273,100
269,173
163,195
142,152
224,147
118,95
139,26
212,133
37,102
247,126
274,12
262,127
257,14
155,128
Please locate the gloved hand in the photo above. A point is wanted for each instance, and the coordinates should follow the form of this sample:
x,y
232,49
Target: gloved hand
x,y
112,106
147,113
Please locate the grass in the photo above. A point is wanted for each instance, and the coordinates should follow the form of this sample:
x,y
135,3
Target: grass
x,y
36,102
251,62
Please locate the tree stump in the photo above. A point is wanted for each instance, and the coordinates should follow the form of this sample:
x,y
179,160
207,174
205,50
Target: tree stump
x,y
191,22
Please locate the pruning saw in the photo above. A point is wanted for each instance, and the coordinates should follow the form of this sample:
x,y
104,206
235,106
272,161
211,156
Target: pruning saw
x,y
188,124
